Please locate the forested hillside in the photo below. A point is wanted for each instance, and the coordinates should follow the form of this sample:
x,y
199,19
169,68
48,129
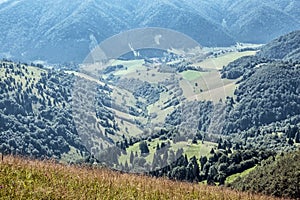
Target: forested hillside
x,y
35,112
39,113
286,47
194,91
278,176
262,114
60,31
266,93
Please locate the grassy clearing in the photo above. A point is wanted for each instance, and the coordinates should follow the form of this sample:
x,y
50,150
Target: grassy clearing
x,y
122,96
152,76
135,69
214,94
30,179
191,75
199,149
231,178
208,86
157,107
219,62
132,66
189,149
71,155
85,76
135,148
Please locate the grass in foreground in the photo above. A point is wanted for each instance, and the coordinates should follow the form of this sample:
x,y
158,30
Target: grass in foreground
x,y
30,179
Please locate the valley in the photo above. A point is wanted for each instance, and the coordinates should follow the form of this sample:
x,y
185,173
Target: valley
x,y
215,119
139,111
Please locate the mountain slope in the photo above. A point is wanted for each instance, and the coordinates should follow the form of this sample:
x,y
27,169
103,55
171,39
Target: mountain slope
x,y
267,91
125,117
60,31
32,179
184,19
56,31
285,47
38,116
278,177
262,21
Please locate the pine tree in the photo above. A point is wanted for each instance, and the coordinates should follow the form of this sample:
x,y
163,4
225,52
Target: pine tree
x,y
195,169
165,158
212,172
126,167
290,141
131,157
155,162
297,137
171,157
144,147
203,161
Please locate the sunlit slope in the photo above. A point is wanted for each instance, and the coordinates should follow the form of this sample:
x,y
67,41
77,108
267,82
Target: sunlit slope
x,y
30,179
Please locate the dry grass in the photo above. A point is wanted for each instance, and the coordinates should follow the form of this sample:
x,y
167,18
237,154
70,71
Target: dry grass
x,y
31,179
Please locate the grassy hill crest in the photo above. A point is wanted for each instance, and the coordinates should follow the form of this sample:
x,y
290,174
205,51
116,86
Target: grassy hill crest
x,y
22,178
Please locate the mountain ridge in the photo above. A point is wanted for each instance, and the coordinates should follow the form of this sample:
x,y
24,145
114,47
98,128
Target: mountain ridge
x,y
35,30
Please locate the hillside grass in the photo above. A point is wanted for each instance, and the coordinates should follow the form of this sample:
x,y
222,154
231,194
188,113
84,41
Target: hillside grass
x,y
209,85
33,74
132,66
188,148
191,75
233,177
32,179
206,86
223,60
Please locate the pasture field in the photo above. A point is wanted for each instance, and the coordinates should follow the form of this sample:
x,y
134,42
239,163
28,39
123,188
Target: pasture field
x,y
188,148
223,60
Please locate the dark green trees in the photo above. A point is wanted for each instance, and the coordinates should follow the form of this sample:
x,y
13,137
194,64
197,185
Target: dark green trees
x,y
297,137
280,178
144,147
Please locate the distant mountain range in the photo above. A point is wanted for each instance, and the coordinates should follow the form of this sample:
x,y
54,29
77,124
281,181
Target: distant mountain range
x,y
60,31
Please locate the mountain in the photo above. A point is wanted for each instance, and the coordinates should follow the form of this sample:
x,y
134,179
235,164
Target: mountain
x,y
285,47
260,21
60,31
56,30
144,115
